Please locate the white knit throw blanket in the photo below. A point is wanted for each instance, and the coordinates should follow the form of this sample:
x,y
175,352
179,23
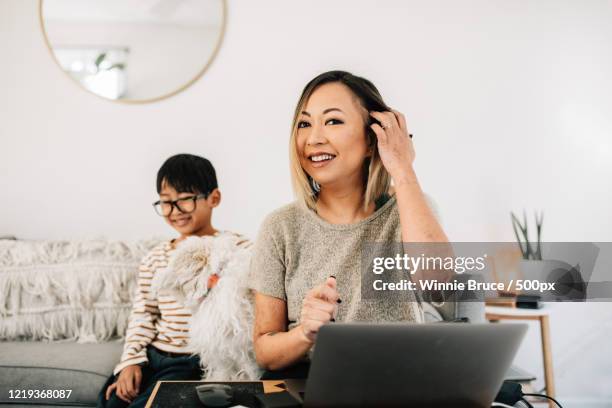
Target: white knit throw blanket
x,y
222,321
73,290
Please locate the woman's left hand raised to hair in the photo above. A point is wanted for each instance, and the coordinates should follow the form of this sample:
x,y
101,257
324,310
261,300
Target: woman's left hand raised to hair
x,y
394,144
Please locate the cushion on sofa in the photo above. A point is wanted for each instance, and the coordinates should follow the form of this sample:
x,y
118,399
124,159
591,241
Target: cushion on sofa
x,y
466,303
80,290
82,368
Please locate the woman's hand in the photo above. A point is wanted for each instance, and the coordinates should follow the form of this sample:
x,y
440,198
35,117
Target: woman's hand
x,y
394,143
127,385
320,306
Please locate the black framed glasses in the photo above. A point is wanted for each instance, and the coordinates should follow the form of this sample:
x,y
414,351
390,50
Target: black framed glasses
x,y
184,205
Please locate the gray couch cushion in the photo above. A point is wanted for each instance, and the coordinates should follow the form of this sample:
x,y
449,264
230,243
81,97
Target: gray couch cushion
x,y
431,314
465,303
82,368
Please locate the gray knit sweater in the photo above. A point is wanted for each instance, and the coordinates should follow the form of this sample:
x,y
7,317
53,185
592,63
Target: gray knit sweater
x,y
296,250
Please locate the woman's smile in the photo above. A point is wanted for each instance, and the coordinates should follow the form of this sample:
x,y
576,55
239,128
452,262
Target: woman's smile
x,y
320,159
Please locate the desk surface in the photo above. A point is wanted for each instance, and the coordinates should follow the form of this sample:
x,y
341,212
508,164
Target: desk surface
x,y
186,399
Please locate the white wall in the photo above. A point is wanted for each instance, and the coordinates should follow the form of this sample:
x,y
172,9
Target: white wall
x,y
509,102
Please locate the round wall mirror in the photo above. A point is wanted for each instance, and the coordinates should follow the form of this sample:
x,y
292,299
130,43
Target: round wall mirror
x,y
133,50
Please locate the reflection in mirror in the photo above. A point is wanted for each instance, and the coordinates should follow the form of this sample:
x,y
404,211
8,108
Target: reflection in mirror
x,y
133,50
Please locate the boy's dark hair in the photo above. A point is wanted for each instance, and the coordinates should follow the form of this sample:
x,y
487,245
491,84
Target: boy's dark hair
x,y
187,173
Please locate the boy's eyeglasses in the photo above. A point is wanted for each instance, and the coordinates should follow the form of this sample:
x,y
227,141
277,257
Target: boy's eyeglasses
x,y
185,205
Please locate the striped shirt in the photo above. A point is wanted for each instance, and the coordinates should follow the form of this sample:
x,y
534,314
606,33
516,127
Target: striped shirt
x,y
161,321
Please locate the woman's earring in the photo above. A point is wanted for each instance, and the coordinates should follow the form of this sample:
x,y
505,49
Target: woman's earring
x,y
315,186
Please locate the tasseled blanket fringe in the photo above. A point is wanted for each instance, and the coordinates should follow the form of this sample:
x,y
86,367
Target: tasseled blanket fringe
x,y
60,290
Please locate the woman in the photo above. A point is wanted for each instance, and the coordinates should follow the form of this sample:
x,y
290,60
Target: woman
x,y
346,146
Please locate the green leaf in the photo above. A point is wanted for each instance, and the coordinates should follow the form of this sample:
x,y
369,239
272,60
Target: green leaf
x,y
539,220
99,60
516,226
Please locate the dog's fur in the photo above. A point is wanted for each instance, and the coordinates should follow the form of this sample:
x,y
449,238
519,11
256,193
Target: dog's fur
x,y
222,321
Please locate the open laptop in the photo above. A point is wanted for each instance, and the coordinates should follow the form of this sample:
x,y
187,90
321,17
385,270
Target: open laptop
x,y
423,365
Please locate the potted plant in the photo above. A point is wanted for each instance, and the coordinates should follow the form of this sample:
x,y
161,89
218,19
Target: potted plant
x,y
540,273
527,251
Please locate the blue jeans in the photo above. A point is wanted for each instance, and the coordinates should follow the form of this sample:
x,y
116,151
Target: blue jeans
x,y
159,368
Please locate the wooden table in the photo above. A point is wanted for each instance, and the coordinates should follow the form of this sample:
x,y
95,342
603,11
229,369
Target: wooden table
x,y
497,313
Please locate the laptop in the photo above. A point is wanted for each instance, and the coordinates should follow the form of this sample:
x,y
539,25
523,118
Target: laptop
x,y
399,364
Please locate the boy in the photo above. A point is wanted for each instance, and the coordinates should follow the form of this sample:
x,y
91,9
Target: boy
x,y
156,345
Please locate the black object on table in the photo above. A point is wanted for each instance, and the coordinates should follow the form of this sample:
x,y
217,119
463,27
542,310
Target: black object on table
x,y
183,394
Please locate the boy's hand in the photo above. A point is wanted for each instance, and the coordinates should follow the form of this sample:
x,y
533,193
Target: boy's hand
x,y
127,385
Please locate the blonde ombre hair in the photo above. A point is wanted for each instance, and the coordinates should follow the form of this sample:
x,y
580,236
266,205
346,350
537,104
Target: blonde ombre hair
x,y
376,178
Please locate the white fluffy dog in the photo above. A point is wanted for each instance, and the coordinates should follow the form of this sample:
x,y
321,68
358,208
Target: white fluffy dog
x,y
222,321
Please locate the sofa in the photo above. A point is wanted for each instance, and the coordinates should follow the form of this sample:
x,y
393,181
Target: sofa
x,y
65,308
